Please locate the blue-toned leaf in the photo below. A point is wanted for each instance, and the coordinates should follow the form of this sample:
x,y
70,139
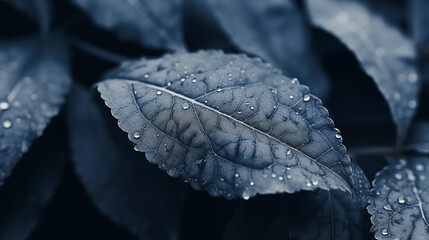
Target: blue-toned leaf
x,y
153,23
276,31
307,215
418,139
383,51
399,201
34,77
122,185
227,124
419,20
26,194
39,9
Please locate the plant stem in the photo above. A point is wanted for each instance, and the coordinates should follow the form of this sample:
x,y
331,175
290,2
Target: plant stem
x,y
96,51
365,151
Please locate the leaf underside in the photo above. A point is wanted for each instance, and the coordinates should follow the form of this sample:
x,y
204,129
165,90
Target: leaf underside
x,y
399,201
34,78
383,51
228,124
275,31
152,23
121,184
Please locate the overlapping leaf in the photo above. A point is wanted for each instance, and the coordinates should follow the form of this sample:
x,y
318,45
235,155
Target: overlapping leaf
x,y
307,215
153,23
383,51
26,194
399,201
120,182
227,124
418,139
34,78
277,32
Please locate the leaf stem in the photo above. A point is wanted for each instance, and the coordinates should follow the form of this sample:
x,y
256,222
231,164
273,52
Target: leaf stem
x,y
378,150
96,51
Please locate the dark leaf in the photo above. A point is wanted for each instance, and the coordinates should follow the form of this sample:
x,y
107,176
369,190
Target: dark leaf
x,y
39,9
383,51
121,184
418,139
153,23
26,194
34,77
227,124
306,215
276,31
400,200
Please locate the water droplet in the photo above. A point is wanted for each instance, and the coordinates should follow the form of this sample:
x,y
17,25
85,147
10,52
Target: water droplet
x,y
337,135
135,92
237,175
384,232
396,96
315,182
158,93
252,107
169,84
401,199
7,124
288,152
4,105
378,193
33,96
308,184
280,178
182,79
412,77
387,207
294,80
420,167
398,176
147,75
412,104
194,80
28,80
274,91
136,148
185,105
136,135
289,176
422,177
218,89
291,96
306,98
221,179
273,175
252,183
231,62
239,112
246,196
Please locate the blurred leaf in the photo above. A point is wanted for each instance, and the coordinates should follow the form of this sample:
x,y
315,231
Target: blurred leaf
x,y
34,77
227,124
26,194
306,215
399,200
38,9
418,139
383,51
419,20
153,23
121,184
276,31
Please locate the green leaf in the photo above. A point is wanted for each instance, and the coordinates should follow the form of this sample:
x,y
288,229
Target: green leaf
x,y
400,200
227,124
384,53
34,78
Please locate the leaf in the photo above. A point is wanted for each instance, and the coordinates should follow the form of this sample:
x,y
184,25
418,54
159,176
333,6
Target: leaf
x,y
39,9
418,139
34,78
122,185
26,194
383,51
419,19
276,31
227,124
306,215
399,200
152,23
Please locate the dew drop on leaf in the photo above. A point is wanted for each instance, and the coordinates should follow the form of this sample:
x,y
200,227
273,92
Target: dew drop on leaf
x,y
4,105
136,135
185,105
7,124
306,98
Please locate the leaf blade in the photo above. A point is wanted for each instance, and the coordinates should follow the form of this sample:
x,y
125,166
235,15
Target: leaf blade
x,y
195,116
388,60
